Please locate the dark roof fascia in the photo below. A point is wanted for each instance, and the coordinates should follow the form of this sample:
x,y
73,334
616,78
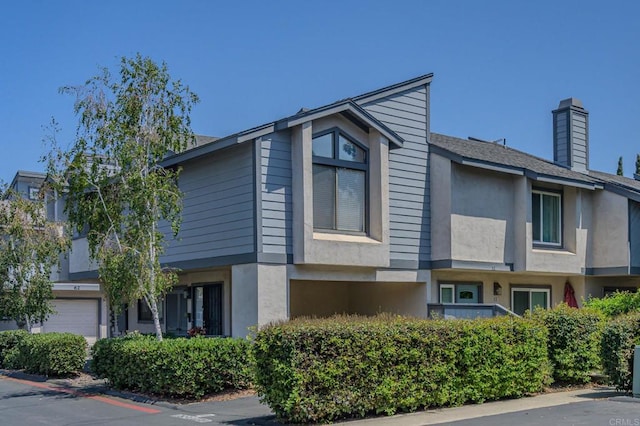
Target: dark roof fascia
x,y
341,107
493,166
26,174
352,105
472,162
497,167
540,177
394,89
616,186
622,190
219,144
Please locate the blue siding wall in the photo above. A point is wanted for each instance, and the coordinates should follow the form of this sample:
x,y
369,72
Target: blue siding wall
x,y
409,210
277,212
218,207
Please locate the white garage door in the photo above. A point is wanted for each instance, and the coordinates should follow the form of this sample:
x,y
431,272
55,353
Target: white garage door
x,y
78,316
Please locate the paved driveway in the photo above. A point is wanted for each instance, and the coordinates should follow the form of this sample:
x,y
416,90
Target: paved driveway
x,y
26,402
30,403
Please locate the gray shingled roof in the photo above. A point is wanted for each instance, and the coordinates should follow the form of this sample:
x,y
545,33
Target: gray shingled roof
x,y
625,182
499,155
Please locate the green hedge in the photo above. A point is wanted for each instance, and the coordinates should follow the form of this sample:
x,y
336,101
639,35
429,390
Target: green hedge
x,y
574,341
323,370
178,367
51,354
8,346
618,343
618,303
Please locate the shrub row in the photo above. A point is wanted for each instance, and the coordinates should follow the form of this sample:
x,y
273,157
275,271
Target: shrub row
x,y
189,368
618,303
50,354
323,370
618,343
574,341
9,345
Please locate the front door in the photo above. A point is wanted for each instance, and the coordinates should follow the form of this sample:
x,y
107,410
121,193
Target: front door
x,y
207,300
176,313
467,293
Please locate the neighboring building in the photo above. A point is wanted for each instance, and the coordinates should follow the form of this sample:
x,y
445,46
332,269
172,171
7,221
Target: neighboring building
x,y
80,306
356,207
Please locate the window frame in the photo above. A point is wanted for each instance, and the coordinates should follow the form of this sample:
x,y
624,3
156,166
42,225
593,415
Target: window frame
x,y
336,163
454,287
530,289
147,318
560,225
33,192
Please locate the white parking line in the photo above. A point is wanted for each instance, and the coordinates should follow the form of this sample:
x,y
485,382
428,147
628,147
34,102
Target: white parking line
x,y
200,418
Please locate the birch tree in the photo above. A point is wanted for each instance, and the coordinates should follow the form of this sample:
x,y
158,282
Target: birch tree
x,y
30,249
116,189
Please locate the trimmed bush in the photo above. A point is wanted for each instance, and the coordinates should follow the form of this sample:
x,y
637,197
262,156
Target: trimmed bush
x,y
51,354
342,367
618,343
188,368
8,346
574,341
618,303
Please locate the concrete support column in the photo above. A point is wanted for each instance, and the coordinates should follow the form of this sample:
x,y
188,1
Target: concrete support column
x,y
636,372
259,295
521,222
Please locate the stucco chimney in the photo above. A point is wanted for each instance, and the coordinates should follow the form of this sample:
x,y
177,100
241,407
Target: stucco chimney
x,y
571,135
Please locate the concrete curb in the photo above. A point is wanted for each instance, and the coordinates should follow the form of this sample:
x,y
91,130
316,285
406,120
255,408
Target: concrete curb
x,y
466,412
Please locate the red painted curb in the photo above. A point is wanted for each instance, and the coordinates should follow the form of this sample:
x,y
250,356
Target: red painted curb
x,y
74,392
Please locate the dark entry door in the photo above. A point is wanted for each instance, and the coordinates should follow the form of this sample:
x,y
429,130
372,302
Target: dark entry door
x,y
207,301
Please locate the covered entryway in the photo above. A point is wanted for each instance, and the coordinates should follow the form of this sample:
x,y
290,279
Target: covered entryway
x,y
77,316
326,298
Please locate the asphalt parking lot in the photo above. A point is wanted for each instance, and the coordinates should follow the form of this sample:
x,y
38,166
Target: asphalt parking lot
x,y
31,402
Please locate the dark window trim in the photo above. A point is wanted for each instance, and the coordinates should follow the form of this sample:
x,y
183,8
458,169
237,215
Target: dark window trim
x,y
222,304
560,193
345,164
141,303
611,290
531,287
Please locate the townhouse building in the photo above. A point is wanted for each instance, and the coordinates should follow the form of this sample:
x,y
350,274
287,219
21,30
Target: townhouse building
x,y
356,207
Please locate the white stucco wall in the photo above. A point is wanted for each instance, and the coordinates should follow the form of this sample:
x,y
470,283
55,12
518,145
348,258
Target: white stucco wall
x,y
482,215
609,238
258,296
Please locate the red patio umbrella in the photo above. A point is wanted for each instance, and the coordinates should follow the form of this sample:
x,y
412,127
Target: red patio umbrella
x,y
569,295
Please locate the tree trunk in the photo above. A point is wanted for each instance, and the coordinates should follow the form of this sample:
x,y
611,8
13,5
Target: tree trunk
x,y
153,305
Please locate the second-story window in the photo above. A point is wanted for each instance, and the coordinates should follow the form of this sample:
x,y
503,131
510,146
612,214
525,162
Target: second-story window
x,y
547,217
339,183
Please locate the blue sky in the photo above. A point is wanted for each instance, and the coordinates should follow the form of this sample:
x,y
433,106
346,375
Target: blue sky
x,y
500,66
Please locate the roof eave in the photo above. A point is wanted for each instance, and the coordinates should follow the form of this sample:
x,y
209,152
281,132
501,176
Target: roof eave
x,y
623,191
219,144
337,108
518,171
540,177
394,89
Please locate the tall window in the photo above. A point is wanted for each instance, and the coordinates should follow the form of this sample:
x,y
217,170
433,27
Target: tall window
x,y
523,299
547,217
339,183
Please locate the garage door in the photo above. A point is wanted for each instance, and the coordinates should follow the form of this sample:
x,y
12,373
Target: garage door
x,y
78,316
